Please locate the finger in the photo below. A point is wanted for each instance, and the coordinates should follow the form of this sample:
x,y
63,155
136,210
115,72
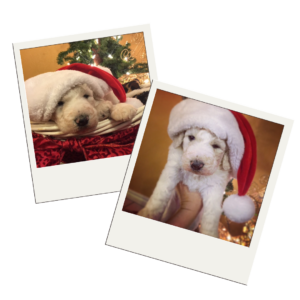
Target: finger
x,y
191,204
189,200
187,213
183,218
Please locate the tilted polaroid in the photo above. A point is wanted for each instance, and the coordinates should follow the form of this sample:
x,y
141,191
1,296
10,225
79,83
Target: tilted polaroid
x,y
82,98
199,182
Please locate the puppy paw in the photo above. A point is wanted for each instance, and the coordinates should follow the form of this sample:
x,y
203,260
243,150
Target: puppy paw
x,y
104,110
123,112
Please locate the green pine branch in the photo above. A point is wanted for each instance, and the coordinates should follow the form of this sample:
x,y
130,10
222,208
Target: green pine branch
x,y
109,51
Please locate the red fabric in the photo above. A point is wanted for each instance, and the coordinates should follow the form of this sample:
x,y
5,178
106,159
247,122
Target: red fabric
x,y
51,152
247,167
97,72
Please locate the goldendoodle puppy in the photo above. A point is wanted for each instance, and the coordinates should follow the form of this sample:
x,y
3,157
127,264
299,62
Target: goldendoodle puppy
x,y
210,146
200,160
79,111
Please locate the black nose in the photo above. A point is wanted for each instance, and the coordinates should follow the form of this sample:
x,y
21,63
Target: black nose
x,y
82,120
197,165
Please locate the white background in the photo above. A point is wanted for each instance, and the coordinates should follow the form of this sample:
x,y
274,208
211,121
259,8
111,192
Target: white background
x,y
253,64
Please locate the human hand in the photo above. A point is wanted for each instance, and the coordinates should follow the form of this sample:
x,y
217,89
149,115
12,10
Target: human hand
x,y
190,206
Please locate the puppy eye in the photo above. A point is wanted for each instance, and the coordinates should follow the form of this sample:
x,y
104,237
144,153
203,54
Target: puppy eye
x,y
85,96
191,137
60,103
215,146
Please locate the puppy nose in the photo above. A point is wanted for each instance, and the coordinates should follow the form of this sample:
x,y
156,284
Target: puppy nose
x,y
197,165
82,120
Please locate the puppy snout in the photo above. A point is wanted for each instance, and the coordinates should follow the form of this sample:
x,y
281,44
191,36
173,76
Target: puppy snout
x,y
82,120
196,165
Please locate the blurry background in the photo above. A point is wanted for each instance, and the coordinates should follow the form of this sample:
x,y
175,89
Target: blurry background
x,y
154,152
125,55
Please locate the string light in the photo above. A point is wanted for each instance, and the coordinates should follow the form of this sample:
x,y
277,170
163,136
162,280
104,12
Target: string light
x,y
127,73
146,81
110,56
94,56
96,41
125,58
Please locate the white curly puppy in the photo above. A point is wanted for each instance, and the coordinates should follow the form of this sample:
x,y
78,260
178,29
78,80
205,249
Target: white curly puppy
x,y
77,96
209,147
76,111
79,111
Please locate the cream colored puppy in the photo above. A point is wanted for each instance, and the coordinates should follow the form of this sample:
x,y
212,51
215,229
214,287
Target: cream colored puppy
x,y
200,160
78,110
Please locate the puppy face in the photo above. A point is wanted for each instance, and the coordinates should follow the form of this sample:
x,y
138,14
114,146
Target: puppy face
x,y
76,111
203,152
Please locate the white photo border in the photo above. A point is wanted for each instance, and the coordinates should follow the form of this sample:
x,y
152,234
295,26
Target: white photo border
x,y
180,246
99,176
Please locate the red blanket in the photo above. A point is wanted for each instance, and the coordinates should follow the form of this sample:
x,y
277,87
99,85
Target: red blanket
x,y
51,152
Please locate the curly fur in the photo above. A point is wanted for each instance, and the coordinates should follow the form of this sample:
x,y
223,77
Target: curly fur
x,y
188,147
80,101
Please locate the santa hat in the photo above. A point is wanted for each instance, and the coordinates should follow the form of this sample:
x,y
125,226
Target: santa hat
x,y
44,91
233,127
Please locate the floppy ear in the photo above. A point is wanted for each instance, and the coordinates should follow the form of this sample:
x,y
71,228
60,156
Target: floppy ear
x,y
226,163
178,140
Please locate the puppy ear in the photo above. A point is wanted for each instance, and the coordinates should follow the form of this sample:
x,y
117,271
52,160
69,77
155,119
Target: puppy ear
x,y
226,163
178,140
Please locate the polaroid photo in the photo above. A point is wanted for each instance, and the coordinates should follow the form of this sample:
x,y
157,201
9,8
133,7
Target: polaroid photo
x,y
199,182
82,99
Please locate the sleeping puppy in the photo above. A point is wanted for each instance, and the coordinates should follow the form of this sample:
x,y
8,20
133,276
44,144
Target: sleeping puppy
x,y
78,111
200,160
76,97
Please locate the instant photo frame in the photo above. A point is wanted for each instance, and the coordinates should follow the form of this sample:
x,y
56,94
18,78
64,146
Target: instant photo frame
x,y
180,246
98,176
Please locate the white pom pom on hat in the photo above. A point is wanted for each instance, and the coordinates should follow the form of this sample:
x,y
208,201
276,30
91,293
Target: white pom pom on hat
x,y
233,127
239,209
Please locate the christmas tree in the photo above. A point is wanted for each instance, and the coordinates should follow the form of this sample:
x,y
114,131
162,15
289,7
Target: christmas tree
x,y
107,52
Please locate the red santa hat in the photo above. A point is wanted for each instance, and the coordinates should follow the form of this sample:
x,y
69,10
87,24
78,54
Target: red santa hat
x,y
233,127
44,91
